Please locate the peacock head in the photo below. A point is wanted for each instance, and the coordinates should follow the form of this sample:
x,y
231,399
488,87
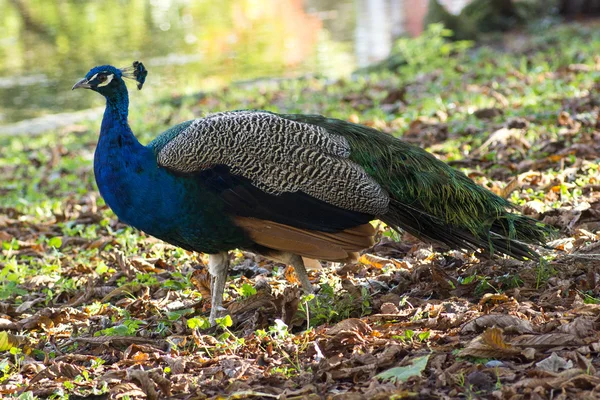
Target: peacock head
x,y
108,80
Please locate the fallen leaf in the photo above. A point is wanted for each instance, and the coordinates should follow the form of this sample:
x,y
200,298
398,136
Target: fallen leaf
x,y
401,374
8,340
554,363
201,280
547,341
490,344
350,324
580,327
508,323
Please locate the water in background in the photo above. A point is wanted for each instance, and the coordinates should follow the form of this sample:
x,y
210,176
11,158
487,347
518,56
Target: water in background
x,y
188,45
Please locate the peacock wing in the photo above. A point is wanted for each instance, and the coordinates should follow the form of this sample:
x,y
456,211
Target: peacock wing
x,y
289,185
277,156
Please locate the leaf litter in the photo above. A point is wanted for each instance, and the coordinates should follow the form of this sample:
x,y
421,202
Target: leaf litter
x,y
91,308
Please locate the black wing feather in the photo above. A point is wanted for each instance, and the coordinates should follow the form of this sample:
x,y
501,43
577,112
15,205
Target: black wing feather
x,y
297,209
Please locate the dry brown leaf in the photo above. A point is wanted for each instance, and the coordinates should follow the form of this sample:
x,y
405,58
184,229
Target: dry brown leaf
x,y
547,341
57,370
564,119
362,371
260,299
373,261
177,364
350,324
129,389
579,68
494,298
45,322
145,382
119,341
488,113
291,276
125,265
490,344
7,324
510,187
140,357
127,289
101,243
584,363
26,305
201,280
163,383
508,323
144,265
288,304
493,337
389,308
502,137
8,340
580,327
533,383
304,392
582,381
50,316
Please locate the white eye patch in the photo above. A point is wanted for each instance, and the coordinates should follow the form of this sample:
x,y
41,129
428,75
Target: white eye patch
x,y
109,78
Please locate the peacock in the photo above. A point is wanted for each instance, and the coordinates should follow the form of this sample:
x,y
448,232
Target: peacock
x,y
288,187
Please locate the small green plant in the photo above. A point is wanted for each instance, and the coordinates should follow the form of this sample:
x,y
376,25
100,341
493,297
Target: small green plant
x,y
331,305
27,396
198,323
543,272
498,381
246,290
97,363
228,339
128,327
277,335
18,357
589,298
424,336
410,336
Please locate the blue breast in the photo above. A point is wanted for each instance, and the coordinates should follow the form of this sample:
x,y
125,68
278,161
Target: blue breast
x,y
176,209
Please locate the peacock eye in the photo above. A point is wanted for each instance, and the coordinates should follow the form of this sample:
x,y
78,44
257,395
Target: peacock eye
x,y
101,77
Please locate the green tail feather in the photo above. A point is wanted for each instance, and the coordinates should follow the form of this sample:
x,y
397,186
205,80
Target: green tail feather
x,y
434,201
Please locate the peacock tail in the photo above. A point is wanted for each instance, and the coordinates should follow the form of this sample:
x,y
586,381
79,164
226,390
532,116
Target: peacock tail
x,y
432,200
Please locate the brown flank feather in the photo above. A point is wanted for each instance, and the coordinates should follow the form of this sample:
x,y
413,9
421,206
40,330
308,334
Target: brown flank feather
x,y
338,246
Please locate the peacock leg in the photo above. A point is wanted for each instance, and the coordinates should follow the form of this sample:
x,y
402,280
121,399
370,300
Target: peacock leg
x,y
218,266
298,264
295,261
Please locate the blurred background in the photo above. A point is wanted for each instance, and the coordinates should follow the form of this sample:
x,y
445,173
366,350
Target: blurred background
x,y
46,46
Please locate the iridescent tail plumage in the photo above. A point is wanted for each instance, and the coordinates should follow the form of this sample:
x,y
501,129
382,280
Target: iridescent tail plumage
x,y
433,201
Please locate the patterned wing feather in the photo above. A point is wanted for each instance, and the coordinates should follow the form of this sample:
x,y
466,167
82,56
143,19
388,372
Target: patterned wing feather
x,y
278,156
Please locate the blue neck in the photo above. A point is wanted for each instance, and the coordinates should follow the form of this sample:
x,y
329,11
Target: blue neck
x,y
116,141
120,157
118,104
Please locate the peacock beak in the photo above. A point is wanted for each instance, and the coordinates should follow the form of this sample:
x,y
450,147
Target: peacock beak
x,y
82,84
